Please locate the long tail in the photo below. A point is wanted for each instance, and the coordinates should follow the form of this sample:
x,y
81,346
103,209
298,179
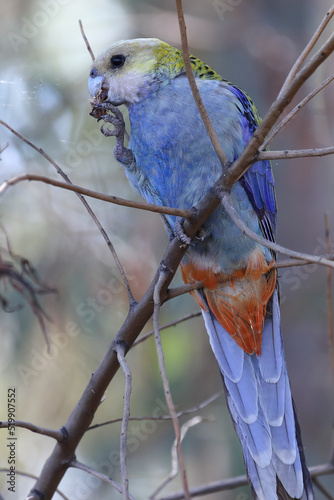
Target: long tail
x,y
259,398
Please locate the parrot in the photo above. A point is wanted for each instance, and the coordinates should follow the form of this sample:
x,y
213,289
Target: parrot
x,y
170,161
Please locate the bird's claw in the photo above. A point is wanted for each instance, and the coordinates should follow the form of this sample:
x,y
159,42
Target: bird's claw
x,y
100,112
179,232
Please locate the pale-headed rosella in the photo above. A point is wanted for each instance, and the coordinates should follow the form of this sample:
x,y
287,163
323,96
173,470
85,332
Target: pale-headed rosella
x,y
170,161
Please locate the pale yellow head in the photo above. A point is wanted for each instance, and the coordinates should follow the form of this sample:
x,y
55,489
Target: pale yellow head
x,y
129,70
126,70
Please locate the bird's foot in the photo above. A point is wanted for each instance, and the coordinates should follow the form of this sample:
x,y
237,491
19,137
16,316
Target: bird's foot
x,y
111,114
179,232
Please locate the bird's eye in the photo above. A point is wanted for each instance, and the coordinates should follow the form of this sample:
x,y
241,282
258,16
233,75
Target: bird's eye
x,y
117,61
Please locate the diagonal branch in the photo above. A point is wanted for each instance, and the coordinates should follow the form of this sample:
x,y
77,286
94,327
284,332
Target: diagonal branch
x,y
78,465
294,111
89,48
293,72
197,97
276,109
116,200
31,476
226,202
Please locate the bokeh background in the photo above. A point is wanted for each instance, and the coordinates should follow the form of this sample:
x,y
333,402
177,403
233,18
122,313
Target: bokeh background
x,y
43,94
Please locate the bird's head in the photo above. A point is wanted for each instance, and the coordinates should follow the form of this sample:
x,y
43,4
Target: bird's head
x,y
130,70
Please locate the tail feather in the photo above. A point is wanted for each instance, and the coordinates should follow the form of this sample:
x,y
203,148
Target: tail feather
x,y
290,476
259,398
256,435
272,400
244,393
284,436
228,354
271,360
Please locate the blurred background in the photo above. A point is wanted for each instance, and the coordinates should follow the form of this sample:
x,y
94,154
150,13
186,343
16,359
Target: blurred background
x,y
43,95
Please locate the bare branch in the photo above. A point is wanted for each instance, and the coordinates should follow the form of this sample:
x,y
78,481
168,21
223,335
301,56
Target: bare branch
x,y
168,396
225,199
78,465
89,48
321,488
168,325
213,487
198,407
58,435
294,153
94,194
294,111
241,164
2,148
301,59
197,96
173,473
120,350
19,274
32,476
238,481
329,294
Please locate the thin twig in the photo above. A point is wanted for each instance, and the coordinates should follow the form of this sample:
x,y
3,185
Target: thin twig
x,y
276,109
32,476
238,481
213,487
168,325
174,470
226,202
165,381
181,290
84,202
89,48
282,264
329,294
194,89
120,350
301,59
321,488
94,194
294,111
79,465
294,153
5,146
58,435
163,417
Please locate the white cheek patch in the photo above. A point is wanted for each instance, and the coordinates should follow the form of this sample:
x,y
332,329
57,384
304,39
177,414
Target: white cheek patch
x,y
125,88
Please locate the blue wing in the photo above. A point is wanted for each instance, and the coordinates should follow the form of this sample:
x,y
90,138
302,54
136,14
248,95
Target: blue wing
x,y
258,181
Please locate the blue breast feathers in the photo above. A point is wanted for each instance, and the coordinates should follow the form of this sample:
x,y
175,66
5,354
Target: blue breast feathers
x,y
176,163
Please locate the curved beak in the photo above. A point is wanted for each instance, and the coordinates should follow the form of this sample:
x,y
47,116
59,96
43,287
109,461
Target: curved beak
x,y
95,82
